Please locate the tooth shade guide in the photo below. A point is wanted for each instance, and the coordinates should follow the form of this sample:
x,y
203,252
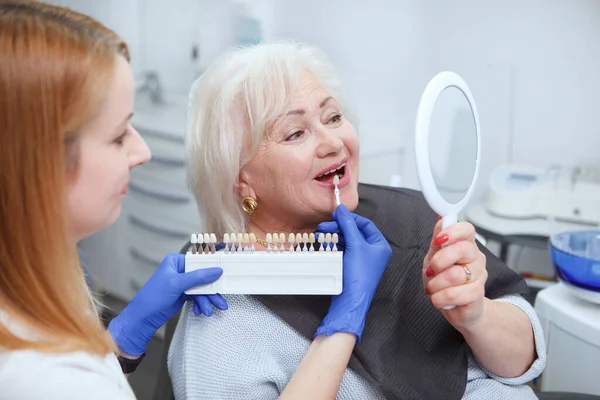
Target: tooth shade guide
x,y
277,273
226,240
311,240
282,241
194,241
305,241
276,242
213,242
327,242
200,243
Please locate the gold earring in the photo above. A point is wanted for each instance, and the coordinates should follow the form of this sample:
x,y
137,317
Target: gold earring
x,y
249,205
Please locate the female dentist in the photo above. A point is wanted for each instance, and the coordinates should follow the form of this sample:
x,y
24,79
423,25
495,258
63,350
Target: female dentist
x,y
66,97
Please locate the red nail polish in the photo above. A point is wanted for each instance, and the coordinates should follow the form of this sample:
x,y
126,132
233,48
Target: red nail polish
x,y
429,272
438,218
440,240
427,292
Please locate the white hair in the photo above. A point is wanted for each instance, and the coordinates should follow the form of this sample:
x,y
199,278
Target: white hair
x,y
232,107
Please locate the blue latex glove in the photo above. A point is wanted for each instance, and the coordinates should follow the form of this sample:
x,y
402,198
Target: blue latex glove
x,y
366,257
332,227
159,300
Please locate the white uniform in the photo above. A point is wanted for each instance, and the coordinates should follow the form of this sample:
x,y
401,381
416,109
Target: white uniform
x,y
33,375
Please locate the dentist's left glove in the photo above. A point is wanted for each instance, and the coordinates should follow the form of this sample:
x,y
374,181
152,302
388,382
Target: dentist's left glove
x,y
159,300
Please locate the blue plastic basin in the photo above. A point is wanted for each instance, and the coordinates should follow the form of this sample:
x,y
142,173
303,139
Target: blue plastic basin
x,y
576,257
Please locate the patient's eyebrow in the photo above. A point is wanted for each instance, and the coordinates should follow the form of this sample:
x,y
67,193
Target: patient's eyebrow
x,y
325,101
301,112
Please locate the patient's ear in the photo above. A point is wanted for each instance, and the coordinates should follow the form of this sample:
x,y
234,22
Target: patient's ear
x,y
242,185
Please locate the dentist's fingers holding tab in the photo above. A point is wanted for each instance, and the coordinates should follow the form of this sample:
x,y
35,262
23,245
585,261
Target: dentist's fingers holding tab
x,y
365,259
204,304
364,225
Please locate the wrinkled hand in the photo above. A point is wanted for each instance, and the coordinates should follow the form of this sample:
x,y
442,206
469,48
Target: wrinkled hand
x,y
366,257
445,278
159,300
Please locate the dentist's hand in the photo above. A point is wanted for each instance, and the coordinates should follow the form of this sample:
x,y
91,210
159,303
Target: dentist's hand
x,y
159,300
366,257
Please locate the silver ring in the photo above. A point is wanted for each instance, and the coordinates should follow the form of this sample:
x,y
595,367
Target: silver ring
x,y
468,272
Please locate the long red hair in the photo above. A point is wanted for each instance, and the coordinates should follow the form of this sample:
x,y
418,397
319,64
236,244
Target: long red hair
x,y
56,66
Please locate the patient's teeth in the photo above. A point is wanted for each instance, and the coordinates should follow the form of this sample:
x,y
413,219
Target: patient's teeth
x,y
333,170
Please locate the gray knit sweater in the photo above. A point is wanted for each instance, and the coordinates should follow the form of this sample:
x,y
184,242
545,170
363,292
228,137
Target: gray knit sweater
x,y
249,353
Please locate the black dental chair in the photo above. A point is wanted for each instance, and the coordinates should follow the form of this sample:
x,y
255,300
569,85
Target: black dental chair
x,y
164,389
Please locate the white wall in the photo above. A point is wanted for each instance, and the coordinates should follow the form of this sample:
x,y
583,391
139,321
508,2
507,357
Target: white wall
x,y
532,66
121,16
161,33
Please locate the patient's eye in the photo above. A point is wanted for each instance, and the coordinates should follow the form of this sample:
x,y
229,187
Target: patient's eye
x,y
121,138
335,119
294,136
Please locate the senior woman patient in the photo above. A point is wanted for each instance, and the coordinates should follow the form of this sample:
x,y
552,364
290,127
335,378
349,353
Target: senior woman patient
x,y
267,124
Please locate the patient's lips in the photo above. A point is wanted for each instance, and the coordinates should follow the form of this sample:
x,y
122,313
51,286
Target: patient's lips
x,y
325,177
329,171
343,175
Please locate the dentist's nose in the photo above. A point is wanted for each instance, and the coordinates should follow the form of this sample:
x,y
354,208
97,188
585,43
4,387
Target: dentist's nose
x,y
139,152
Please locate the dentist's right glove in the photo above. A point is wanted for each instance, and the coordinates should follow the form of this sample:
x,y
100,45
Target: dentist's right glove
x,y
366,257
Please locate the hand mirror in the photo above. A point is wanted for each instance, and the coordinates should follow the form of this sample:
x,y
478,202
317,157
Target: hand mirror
x,y
447,145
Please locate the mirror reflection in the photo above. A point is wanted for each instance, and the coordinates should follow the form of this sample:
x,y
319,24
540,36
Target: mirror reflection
x,y
452,145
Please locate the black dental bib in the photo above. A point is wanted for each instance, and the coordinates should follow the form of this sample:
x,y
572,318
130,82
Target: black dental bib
x,y
408,349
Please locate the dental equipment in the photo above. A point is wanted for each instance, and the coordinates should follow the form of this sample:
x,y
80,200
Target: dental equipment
x,y
336,182
296,266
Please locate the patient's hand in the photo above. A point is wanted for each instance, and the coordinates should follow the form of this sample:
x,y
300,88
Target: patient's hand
x,y
454,273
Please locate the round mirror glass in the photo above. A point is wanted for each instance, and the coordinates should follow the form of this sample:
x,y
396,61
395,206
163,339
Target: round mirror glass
x,y
452,144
